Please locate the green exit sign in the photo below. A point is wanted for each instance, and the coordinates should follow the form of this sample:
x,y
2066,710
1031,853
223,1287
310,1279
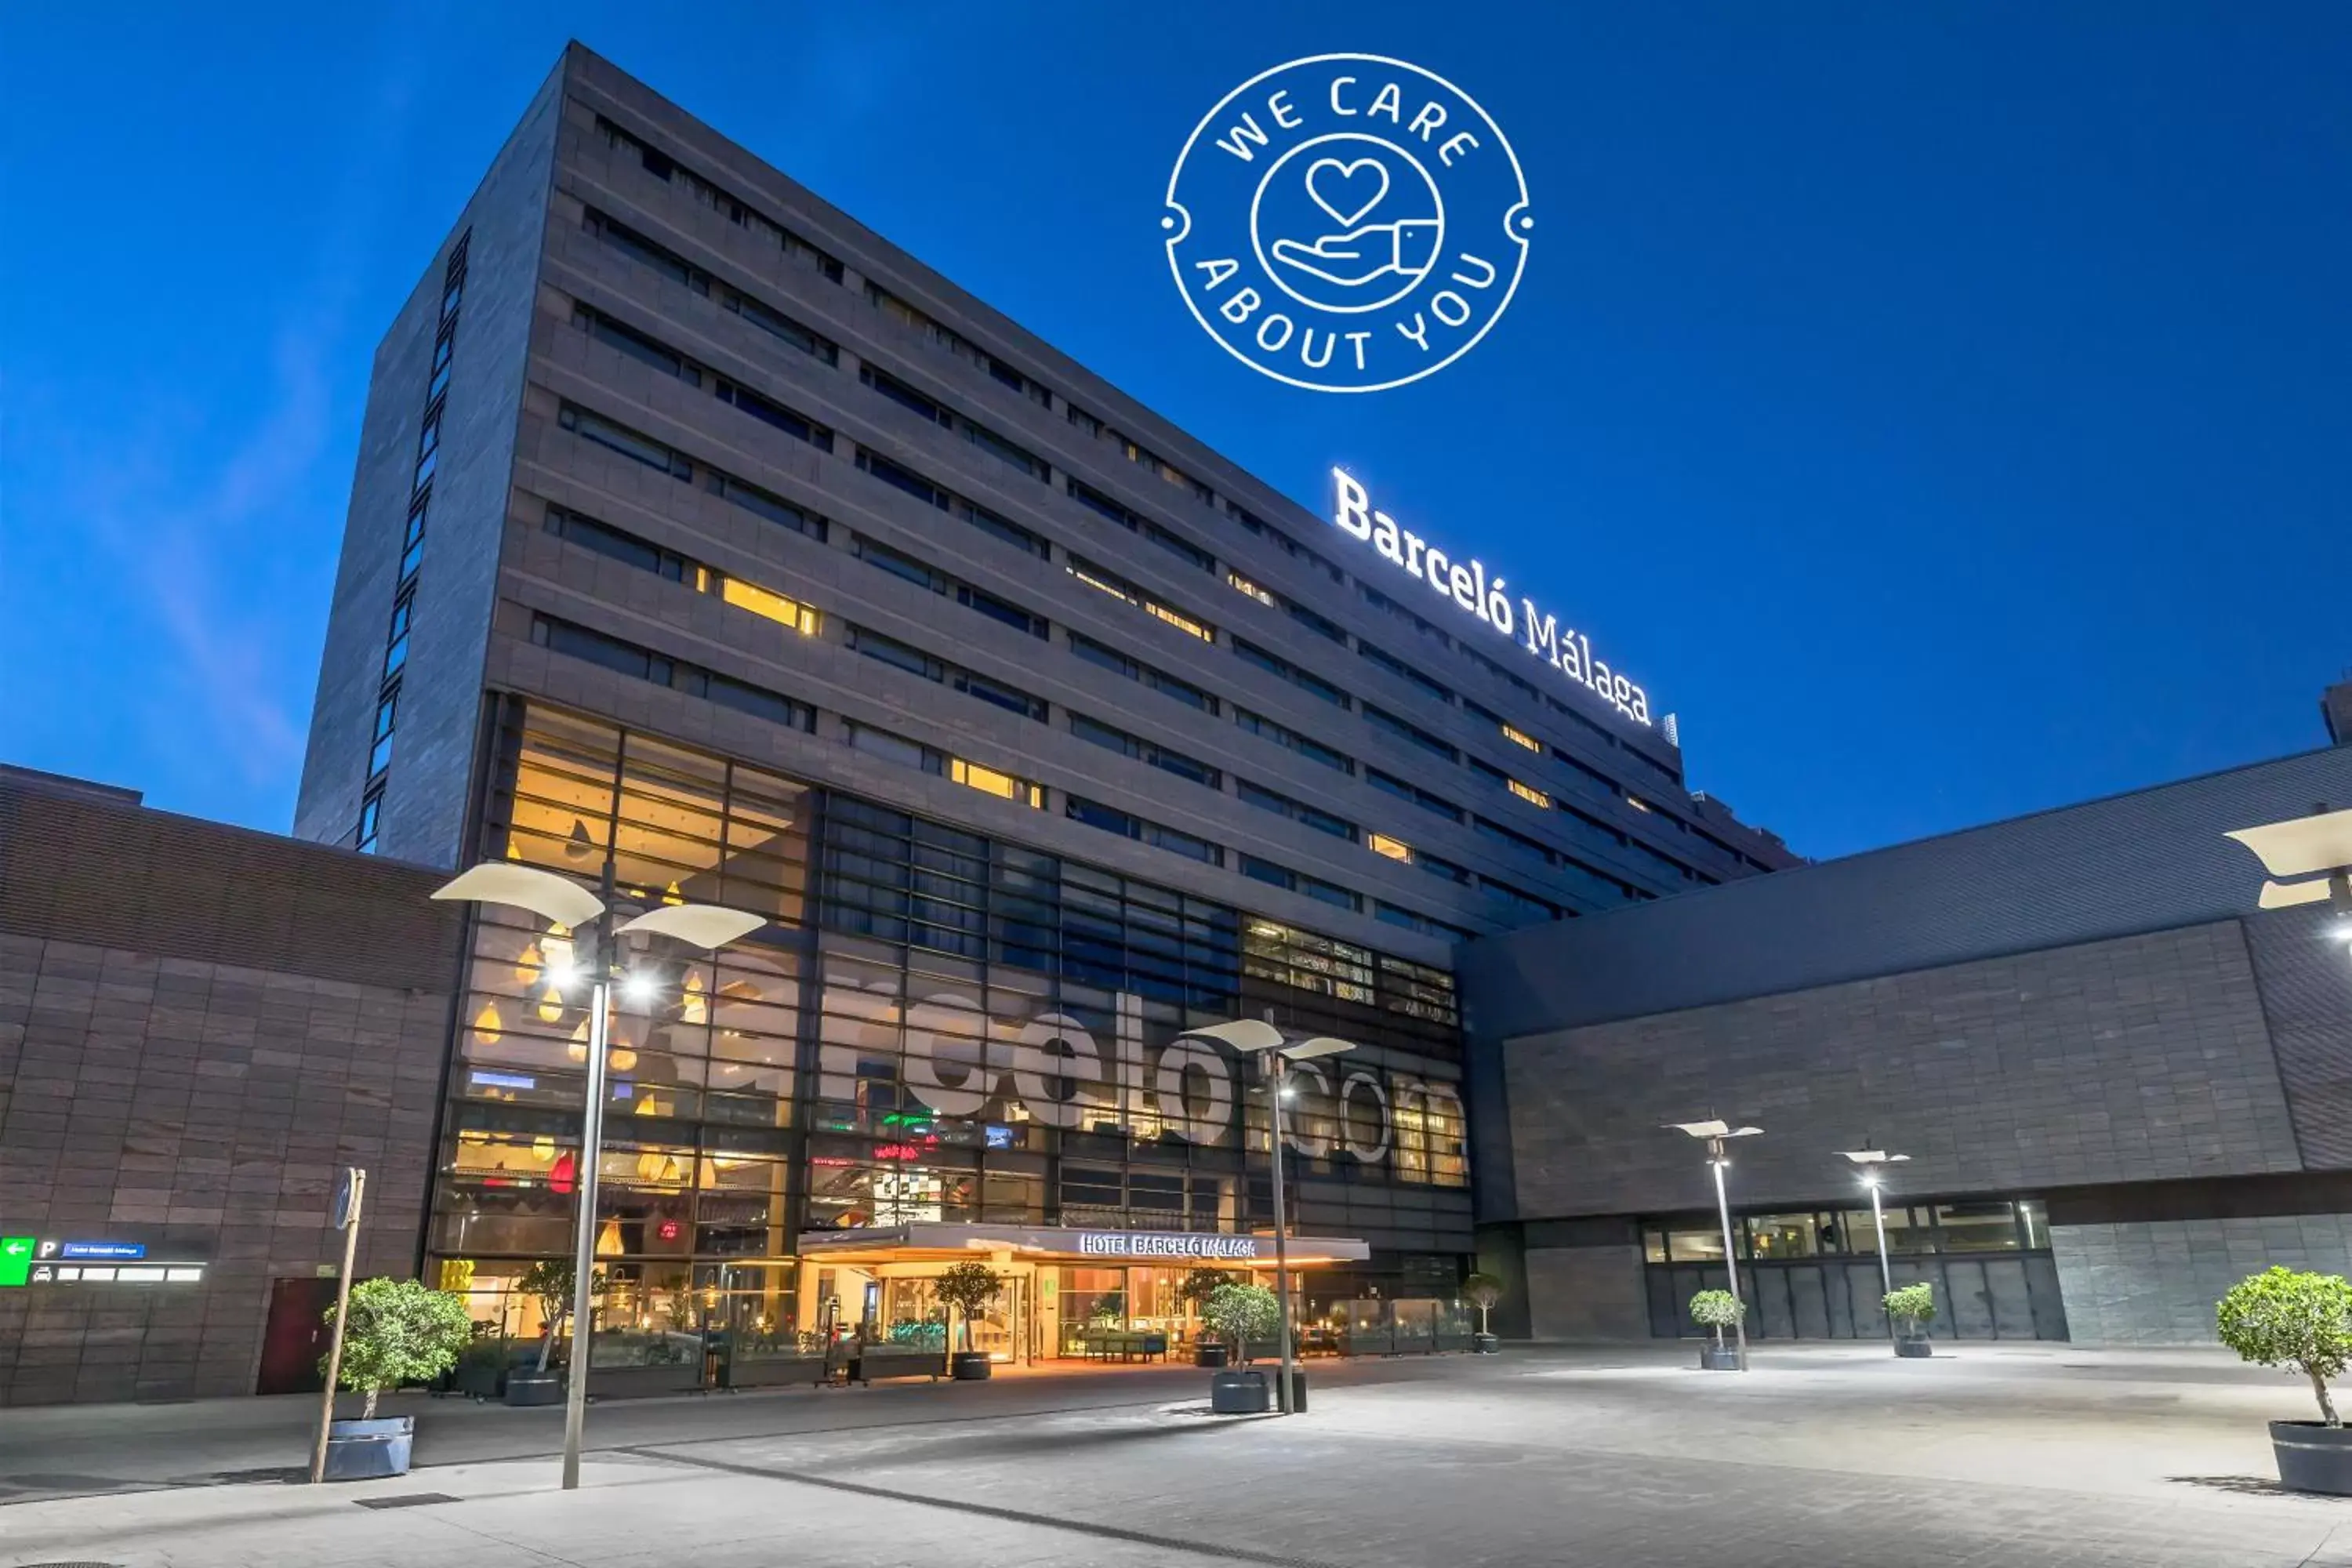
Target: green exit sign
x,y
16,1258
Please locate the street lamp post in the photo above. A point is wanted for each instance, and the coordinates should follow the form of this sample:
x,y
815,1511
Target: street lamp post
x,y
1275,1051
1871,1161
1714,1133
2311,856
564,902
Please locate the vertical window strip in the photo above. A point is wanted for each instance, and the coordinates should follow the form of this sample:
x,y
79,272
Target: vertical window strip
x,y
412,548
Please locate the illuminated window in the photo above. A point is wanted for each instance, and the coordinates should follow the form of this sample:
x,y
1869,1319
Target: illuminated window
x,y
1394,849
1637,804
1118,587
1521,738
1252,589
1181,622
1529,793
988,781
1087,577
775,606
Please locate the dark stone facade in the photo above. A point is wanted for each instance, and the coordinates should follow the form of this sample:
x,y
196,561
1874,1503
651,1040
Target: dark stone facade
x,y
200,1027
2082,1008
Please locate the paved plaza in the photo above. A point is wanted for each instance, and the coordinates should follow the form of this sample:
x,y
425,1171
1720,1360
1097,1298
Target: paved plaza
x,y
1991,1455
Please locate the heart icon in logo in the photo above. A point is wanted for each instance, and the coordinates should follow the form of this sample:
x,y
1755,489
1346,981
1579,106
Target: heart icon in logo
x,y
1330,183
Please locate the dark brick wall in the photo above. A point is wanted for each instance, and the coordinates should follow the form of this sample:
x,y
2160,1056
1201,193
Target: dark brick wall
x,y
2306,971
199,1027
2143,1058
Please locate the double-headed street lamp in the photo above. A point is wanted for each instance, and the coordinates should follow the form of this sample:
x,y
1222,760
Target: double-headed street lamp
x,y
1275,1051
2313,857
564,902
1715,1133
1873,1163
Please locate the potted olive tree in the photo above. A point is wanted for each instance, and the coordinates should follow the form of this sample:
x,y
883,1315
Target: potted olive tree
x,y
1194,1290
1481,1292
1716,1309
1241,1313
966,1286
1908,1307
399,1331
2302,1322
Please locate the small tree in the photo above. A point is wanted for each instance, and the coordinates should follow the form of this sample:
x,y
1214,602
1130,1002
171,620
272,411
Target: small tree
x,y
548,1282
1909,1306
968,1287
1199,1284
399,1331
1716,1309
2299,1321
1241,1313
1481,1292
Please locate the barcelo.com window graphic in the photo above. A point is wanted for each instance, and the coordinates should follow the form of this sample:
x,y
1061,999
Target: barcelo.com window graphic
x,y
1347,223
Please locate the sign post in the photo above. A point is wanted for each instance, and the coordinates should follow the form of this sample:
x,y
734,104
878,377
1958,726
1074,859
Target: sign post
x,y
348,1199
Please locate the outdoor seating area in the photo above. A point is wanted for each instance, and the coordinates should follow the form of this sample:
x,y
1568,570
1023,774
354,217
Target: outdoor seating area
x,y
1099,1343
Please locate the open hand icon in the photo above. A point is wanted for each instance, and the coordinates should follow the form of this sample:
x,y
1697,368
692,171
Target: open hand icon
x,y
1406,246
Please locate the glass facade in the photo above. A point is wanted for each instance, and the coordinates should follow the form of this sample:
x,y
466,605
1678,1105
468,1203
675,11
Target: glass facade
x,y
1815,1274
933,1028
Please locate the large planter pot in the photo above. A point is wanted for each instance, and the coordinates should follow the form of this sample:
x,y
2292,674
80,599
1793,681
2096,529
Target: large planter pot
x,y
970,1366
1240,1392
2313,1457
1718,1358
773,1370
643,1381
534,1387
368,1450
1913,1345
1210,1354
1486,1345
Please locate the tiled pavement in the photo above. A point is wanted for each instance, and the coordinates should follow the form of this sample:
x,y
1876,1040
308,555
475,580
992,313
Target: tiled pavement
x,y
2038,1456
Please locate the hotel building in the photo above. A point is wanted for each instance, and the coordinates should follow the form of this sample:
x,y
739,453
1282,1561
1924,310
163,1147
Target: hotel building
x,y
699,530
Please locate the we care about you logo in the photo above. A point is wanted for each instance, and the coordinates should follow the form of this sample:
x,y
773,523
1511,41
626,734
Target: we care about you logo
x,y
1347,223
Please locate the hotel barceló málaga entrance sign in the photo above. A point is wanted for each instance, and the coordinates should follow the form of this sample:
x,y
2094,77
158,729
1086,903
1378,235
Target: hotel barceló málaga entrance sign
x,y
1071,1243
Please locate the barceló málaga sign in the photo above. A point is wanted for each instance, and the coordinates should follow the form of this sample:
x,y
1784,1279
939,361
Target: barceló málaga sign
x,y
1165,1244
1471,591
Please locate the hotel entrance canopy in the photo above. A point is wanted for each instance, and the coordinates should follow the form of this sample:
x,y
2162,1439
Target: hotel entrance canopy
x,y
1069,1243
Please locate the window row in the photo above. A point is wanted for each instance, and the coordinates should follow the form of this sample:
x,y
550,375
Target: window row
x,y
903,656
661,166
616,544
576,641
615,333
908,753
640,448
1005,450
923,575
661,258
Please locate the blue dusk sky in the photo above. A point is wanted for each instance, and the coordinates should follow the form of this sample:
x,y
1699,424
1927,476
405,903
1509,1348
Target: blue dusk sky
x,y
1943,408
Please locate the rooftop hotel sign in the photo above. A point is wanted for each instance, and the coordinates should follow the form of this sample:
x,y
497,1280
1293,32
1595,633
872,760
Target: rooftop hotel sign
x,y
1473,593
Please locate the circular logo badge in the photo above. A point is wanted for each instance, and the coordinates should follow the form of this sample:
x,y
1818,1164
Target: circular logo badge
x,y
1347,223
